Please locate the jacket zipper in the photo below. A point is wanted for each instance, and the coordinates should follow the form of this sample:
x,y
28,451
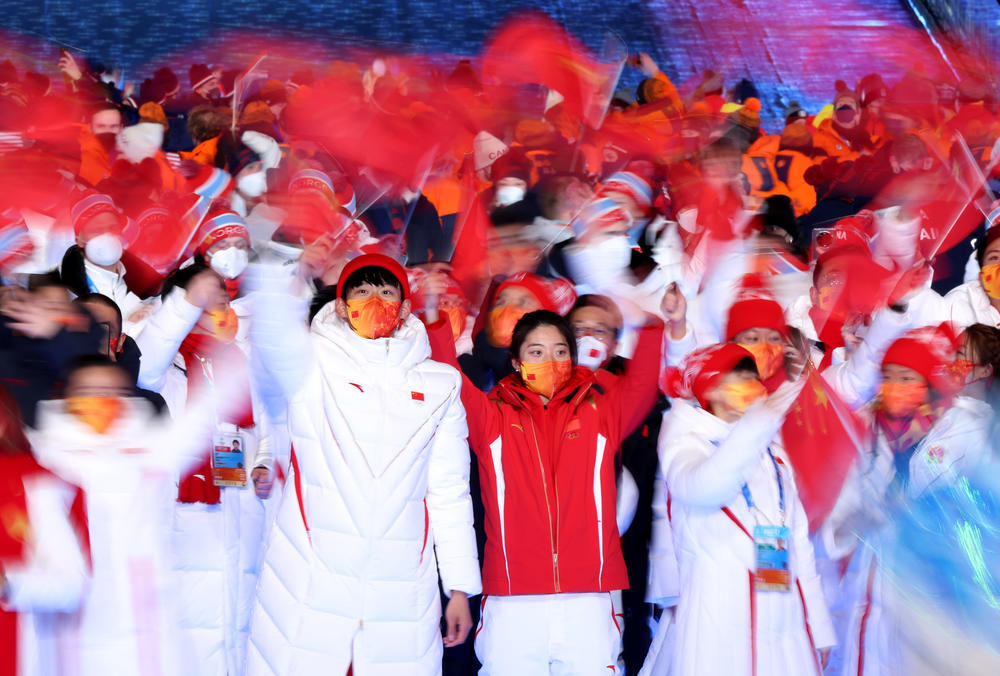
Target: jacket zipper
x,y
548,508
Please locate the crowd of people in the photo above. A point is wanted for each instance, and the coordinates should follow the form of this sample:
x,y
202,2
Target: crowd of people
x,y
372,368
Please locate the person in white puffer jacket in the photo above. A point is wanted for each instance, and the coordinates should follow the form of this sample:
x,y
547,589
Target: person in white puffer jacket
x,y
378,500
219,522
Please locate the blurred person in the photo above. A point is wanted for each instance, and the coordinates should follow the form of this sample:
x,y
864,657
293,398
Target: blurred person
x,y
43,569
41,333
378,503
126,460
192,341
744,559
97,143
925,436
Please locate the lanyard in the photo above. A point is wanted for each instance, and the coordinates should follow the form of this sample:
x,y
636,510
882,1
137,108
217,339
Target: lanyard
x,y
781,490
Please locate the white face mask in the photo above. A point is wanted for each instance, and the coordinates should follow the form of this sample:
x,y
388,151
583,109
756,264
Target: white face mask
x,y
614,251
591,352
231,262
252,185
104,249
508,194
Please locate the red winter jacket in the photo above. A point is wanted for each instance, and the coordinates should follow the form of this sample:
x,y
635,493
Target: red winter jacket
x,y
547,471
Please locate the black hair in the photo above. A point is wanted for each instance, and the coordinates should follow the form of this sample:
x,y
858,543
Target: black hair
x,y
984,241
46,279
181,277
324,296
746,365
532,321
374,275
101,299
601,302
88,361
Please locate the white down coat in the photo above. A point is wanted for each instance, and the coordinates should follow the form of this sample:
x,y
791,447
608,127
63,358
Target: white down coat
x,y
954,446
721,624
127,623
377,503
217,548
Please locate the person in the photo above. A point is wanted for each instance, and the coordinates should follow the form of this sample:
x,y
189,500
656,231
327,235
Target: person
x,y
126,461
507,302
41,333
220,516
97,142
43,570
925,436
977,301
552,555
731,495
94,263
597,325
378,498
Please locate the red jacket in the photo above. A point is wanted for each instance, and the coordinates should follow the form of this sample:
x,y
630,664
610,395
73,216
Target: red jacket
x,y
548,472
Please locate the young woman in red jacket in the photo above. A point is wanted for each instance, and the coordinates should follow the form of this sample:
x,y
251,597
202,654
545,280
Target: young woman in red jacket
x,y
546,438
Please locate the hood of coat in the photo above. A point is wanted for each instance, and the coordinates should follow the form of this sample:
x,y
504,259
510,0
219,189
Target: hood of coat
x,y
512,391
404,349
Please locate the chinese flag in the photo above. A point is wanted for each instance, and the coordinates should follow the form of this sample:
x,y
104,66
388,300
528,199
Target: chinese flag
x,y
473,230
821,437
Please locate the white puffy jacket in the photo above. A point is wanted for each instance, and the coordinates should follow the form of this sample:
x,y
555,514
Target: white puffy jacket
x,y
378,501
217,548
721,624
127,623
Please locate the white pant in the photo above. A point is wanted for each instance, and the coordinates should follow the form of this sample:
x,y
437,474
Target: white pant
x,y
538,635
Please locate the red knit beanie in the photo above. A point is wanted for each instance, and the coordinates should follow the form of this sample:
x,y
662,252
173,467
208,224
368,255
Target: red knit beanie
x,y
755,308
556,295
703,370
390,265
929,351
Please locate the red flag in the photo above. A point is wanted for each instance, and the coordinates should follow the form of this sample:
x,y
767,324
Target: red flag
x,y
473,232
532,48
822,437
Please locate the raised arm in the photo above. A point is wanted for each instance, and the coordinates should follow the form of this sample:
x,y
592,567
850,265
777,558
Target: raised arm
x,y
634,394
710,480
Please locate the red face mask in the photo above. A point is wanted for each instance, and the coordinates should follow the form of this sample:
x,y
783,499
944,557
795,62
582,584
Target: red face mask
x,y
373,317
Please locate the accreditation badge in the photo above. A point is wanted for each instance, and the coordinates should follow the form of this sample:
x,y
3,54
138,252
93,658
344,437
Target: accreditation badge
x,y
228,467
773,572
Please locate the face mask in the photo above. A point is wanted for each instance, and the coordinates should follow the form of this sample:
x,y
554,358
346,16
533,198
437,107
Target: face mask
x,y
989,277
457,320
962,368
500,324
225,323
96,412
252,185
231,262
739,396
767,356
287,252
547,377
591,352
611,253
900,400
373,317
107,140
508,194
104,249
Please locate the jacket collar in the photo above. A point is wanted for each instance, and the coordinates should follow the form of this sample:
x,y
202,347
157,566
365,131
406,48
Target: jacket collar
x,y
405,348
512,391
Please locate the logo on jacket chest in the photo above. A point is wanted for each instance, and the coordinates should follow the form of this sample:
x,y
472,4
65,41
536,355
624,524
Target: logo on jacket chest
x,y
573,429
